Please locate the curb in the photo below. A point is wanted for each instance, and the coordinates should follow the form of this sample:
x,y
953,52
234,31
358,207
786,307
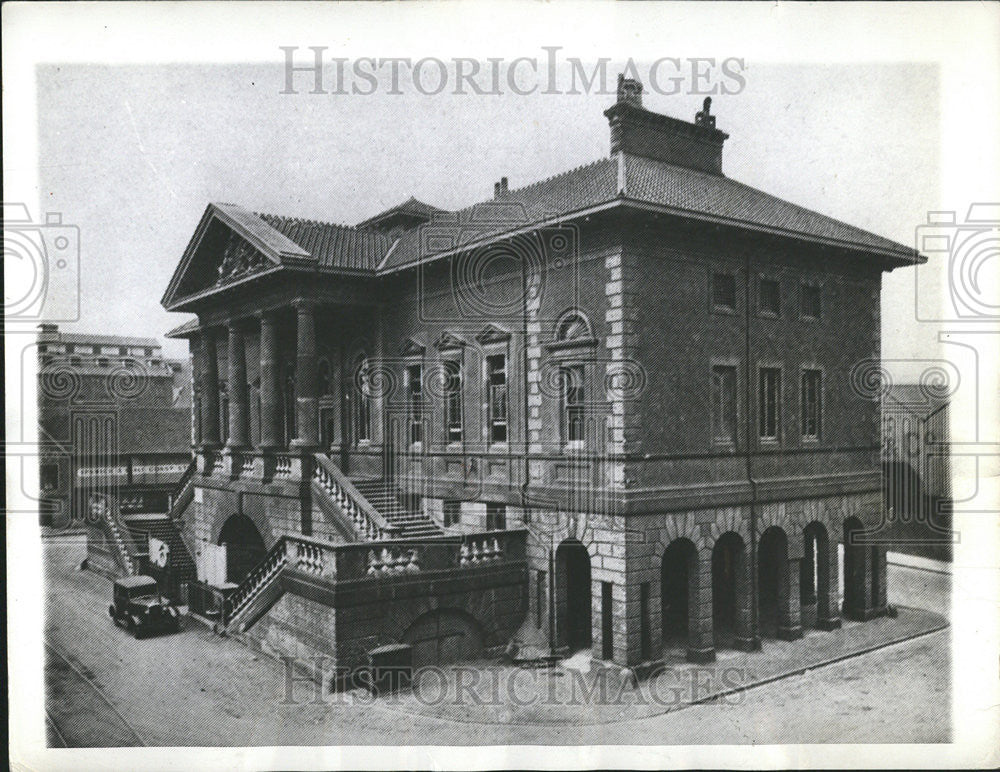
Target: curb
x,y
921,564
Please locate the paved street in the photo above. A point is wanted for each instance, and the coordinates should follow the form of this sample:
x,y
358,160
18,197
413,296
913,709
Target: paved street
x,y
193,688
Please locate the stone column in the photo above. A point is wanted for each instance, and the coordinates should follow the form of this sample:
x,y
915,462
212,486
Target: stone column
x,y
746,638
239,398
827,589
270,388
306,399
789,616
209,392
701,641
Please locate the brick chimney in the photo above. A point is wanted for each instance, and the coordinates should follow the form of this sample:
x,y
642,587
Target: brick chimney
x,y
500,188
638,131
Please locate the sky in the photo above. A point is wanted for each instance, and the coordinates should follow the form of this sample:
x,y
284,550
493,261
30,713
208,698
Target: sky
x,y
132,154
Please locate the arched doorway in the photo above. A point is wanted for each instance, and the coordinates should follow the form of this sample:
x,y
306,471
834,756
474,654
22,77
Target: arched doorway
x,y
244,547
854,569
814,576
573,584
676,589
728,573
444,636
772,580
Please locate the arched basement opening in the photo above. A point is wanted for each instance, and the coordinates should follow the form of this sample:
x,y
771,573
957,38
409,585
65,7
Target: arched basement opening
x,y
677,574
244,547
728,574
772,580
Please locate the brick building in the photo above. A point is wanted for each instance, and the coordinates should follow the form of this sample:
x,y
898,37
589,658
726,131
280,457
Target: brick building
x,y
114,438
608,410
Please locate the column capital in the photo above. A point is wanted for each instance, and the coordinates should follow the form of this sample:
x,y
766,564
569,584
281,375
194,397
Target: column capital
x,y
304,304
239,322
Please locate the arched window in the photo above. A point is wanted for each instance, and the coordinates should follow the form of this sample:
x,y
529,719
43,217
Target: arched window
x,y
573,326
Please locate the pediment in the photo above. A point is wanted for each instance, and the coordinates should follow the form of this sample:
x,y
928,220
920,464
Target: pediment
x,y
412,347
230,244
492,334
448,341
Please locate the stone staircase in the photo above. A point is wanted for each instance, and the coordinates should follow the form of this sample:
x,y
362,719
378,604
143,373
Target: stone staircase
x,y
385,498
164,528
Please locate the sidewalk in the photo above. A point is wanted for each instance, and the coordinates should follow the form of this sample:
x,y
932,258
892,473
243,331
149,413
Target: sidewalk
x,y
579,692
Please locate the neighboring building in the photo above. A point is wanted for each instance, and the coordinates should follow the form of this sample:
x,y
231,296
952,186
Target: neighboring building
x,y
115,431
916,469
625,388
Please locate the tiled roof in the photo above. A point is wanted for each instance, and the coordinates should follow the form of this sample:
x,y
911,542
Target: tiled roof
x,y
567,192
184,330
410,206
635,180
915,397
646,181
335,246
701,193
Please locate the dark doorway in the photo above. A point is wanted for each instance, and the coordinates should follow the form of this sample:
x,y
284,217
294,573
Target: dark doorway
x,y
244,547
854,569
676,575
772,580
573,563
814,575
727,570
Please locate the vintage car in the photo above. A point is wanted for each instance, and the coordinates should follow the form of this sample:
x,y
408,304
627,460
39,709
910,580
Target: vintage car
x,y
140,609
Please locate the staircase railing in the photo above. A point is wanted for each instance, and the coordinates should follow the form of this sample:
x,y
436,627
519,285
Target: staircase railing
x,y
183,490
255,582
368,521
107,509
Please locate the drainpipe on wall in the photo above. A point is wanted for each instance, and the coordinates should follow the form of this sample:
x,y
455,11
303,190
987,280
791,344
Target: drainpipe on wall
x,y
748,387
526,508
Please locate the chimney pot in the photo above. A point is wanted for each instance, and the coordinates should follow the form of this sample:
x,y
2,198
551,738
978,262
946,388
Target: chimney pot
x,y
496,190
503,184
629,91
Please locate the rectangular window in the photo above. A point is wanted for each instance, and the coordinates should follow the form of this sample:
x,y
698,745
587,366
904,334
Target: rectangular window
x,y
452,513
415,403
724,404
453,400
770,403
540,590
496,384
769,300
571,380
496,517
812,304
812,403
723,292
